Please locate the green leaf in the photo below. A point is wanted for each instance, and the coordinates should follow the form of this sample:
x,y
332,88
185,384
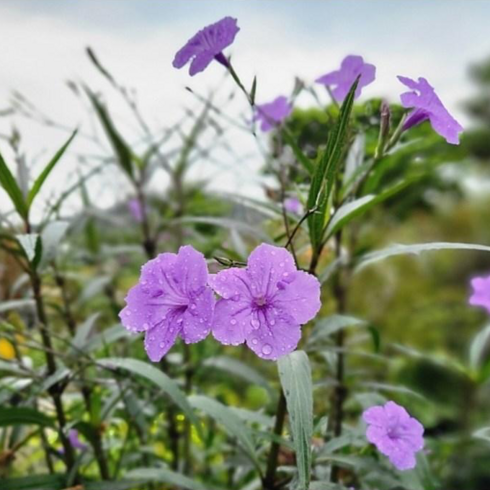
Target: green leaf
x,y
120,147
83,332
483,434
478,347
23,415
47,170
253,91
51,238
32,246
157,377
326,327
295,375
298,153
15,304
353,209
8,182
231,421
162,475
36,482
325,172
415,249
237,368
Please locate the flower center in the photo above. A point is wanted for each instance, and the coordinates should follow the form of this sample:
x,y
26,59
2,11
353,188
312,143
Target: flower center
x,y
260,301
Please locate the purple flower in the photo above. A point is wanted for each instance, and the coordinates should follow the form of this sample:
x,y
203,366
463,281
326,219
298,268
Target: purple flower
x,y
172,298
394,433
293,205
343,79
427,105
272,113
481,292
75,441
207,45
265,304
136,209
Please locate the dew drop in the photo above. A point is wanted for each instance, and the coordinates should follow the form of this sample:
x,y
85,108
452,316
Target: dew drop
x,y
272,322
162,345
255,341
255,324
146,326
233,321
266,349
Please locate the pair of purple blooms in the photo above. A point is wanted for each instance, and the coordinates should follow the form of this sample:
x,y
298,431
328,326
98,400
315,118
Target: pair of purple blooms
x,y
208,45
262,305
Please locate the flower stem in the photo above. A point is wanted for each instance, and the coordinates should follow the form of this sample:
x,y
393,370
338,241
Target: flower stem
x,y
56,389
272,461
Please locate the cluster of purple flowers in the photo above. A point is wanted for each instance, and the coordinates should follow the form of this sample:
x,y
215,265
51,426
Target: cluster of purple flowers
x,y
265,304
425,105
262,305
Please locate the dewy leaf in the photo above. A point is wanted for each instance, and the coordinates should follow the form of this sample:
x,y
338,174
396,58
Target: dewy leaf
x,y
23,415
232,422
295,375
415,249
157,377
7,181
123,153
47,170
325,172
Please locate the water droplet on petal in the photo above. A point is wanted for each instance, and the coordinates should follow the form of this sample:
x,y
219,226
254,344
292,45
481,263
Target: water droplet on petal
x,y
255,324
272,322
266,349
255,341
233,321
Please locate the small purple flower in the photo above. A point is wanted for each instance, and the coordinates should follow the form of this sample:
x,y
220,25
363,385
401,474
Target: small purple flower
x,y
265,304
136,209
394,433
293,205
207,45
343,79
273,113
172,298
75,441
481,292
427,106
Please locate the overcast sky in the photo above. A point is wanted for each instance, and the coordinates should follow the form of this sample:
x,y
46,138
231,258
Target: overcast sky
x,y
43,47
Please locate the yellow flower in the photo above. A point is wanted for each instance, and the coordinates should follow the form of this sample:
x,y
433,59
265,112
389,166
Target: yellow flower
x,y
6,349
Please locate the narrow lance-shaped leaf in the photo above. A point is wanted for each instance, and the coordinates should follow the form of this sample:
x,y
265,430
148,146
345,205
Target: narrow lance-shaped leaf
x,y
23,415
121,148
47,170
324,176
10,185
233,424
415,249
157,377
295,374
